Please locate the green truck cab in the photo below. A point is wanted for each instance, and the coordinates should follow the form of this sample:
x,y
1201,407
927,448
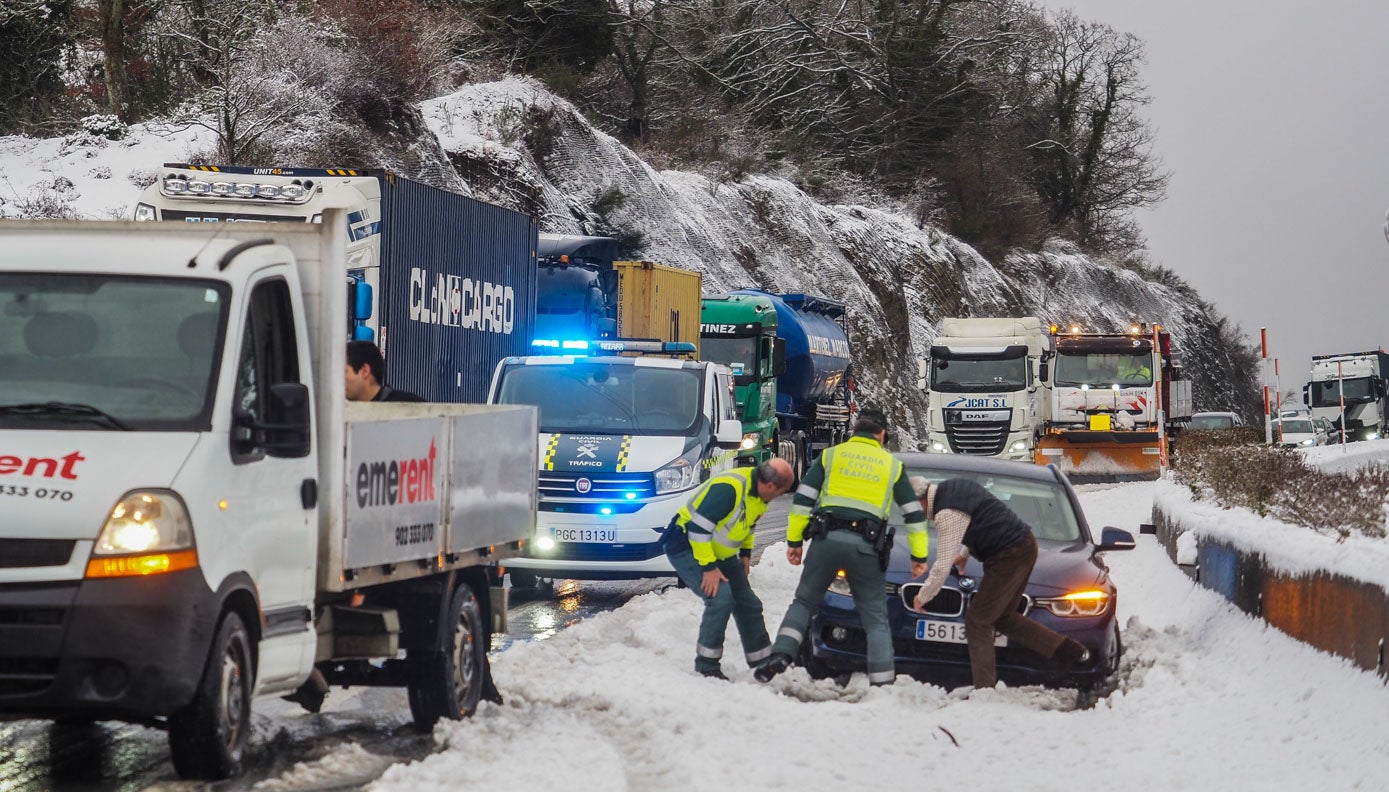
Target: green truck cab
x,y
740,331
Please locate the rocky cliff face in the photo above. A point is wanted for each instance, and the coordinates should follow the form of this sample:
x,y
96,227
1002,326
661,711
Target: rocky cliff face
x,y
515,144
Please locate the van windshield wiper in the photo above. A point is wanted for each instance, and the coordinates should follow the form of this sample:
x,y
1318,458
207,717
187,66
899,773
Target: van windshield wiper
x,y
81,412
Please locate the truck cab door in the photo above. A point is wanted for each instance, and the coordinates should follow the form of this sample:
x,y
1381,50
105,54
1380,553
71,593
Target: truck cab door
x,y
274,489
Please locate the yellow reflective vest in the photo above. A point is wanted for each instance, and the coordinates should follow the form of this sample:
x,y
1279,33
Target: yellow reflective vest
x,y
711,540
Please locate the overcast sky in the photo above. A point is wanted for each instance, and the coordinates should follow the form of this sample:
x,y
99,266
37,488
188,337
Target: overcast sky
x,y
1273,118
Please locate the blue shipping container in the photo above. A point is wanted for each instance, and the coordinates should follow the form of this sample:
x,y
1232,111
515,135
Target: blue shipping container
x,y
458,284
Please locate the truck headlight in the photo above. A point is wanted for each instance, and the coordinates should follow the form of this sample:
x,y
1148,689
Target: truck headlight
x,y
751,440
1018,445
147,532
144,211
936,447
680,474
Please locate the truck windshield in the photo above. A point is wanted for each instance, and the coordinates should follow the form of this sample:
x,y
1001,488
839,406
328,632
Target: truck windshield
x,y
978,374
109,352
1103,370
617,398
1327,393
739,354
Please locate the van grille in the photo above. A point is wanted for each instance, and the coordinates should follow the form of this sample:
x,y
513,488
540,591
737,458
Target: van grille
x,y
610,486
16,553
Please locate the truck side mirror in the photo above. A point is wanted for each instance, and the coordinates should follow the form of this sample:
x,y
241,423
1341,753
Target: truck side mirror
x,y
607,279
1043,369
778,357
922,382
1307,395
285,432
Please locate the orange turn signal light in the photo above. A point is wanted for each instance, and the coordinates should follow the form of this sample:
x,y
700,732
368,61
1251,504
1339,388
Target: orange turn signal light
x,y
139,565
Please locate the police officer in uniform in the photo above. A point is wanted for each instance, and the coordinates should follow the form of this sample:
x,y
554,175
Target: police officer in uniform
x,y
709,542
844,499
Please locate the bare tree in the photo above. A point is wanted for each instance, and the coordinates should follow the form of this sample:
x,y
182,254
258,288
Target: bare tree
x,y
241,99
1091,149
111,17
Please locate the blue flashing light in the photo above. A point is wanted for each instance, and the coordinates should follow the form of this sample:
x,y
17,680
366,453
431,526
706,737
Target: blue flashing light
x,y
575,344
545,342
606,510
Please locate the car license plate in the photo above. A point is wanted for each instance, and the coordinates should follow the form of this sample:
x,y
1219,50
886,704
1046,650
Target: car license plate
x,y
585,534
947,632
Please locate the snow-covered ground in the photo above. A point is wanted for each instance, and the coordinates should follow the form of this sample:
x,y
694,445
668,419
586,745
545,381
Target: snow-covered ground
x,y
1208,699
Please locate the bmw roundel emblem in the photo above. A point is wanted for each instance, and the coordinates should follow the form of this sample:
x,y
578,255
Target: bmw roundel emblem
x,y
967,583
582,486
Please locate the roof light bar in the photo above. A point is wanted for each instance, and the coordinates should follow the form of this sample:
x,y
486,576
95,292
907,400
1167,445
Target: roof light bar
x,y
176,185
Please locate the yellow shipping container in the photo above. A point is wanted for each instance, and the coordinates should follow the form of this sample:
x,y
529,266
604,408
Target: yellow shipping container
x,y
657,302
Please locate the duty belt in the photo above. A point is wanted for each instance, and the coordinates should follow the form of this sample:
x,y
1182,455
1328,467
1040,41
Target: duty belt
x,y
863,526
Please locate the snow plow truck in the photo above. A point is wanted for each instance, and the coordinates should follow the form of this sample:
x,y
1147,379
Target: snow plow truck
x,y
1116,399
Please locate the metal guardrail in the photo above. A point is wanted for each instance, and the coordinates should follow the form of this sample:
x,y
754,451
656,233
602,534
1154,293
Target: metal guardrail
x,y
1333,613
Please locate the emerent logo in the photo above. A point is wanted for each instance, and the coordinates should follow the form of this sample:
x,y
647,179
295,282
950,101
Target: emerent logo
x,y
41,467
393,482
455,301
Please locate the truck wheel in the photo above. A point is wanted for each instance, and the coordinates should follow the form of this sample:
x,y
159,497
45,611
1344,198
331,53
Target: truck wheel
x,y
522,579
447,682
208,737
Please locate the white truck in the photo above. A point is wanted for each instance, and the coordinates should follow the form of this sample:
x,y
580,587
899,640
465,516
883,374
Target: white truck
x,y
989,387
1362,378
622,441
193,515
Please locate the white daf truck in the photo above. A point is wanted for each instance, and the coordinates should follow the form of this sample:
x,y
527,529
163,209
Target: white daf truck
x,y
1354,385
989,386
622,442
192,513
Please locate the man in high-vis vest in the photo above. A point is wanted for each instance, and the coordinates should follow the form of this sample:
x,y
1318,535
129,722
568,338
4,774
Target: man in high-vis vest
x,y
845,499
709,542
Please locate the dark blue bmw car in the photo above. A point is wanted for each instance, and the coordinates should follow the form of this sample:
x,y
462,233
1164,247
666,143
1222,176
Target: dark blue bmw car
x,y
1069,591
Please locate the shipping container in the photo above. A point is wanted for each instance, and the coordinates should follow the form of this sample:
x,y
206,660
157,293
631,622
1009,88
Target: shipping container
x,y
457,290
657,302
452,279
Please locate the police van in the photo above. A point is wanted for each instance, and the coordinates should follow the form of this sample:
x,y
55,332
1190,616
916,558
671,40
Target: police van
x,y
623,441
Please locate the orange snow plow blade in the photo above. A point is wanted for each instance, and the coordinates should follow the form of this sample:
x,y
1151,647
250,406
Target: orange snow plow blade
x,y
1102,456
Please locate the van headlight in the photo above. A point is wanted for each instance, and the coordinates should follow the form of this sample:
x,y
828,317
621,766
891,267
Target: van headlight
x,y
146,532
144,211
680,474
1308,441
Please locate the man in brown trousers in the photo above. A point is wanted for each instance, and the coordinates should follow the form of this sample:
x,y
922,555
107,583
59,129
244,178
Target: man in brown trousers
x,y
970,520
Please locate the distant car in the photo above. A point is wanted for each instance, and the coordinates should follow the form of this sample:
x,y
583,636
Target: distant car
x,y
1333,435
1069,591
1299,432
1215,420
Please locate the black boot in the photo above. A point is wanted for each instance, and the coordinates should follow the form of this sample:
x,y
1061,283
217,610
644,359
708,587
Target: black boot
x,y
774,665
1068,655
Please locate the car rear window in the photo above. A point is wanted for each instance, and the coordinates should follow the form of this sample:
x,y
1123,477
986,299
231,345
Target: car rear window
x,y
1040,504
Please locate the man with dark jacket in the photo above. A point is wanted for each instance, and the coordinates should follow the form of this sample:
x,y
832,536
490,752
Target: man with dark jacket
x,y
365,370
971,521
